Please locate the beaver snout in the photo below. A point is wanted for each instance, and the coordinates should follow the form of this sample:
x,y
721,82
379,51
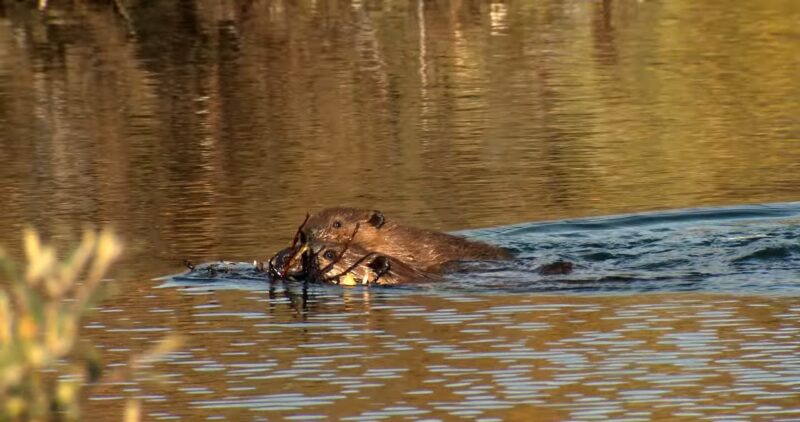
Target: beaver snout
x,y
287,263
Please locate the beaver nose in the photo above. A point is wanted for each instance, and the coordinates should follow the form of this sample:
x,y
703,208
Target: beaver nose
x,y
288,263
277,262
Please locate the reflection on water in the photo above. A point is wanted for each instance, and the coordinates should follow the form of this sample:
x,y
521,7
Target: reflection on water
x,y
217,125
363,355
206,129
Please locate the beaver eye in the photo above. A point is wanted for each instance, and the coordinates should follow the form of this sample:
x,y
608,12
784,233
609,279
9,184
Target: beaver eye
x,y
337,224
329,255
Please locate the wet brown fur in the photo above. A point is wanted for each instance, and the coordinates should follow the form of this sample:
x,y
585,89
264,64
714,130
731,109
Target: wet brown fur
x,y
425,249
332,261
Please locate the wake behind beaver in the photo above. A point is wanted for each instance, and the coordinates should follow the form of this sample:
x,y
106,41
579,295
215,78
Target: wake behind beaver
x,y
745,249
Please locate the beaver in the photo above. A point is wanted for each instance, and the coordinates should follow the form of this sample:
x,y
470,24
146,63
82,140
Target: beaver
x,y
350,265
370,230
320,261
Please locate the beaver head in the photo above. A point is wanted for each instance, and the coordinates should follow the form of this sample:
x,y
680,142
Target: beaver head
x,y
350,265
333,225
336,263
339,225
329,262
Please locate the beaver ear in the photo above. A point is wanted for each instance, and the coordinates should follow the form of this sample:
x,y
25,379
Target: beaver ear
x,y
376,219
380,264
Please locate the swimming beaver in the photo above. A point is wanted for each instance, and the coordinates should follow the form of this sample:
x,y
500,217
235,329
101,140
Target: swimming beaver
x,y
369,230
351,265
342,264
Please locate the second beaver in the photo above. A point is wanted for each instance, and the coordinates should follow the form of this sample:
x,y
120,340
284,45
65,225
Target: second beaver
x,y
343,264
370,230
351,265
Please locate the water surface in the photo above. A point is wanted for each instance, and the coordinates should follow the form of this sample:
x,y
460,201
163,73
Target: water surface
x,y
367,354
741,250
206,130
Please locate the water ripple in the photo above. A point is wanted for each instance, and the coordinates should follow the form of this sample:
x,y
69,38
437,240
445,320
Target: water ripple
x,y
745,249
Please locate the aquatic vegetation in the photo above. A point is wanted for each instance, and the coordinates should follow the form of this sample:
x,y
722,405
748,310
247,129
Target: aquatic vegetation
x,y
44,363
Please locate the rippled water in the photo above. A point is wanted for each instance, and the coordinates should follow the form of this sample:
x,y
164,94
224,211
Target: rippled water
x,y
486,343
367,354
745,249
711,249
205,130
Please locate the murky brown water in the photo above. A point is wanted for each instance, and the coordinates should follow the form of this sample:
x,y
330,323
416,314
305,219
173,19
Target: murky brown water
x,y
206,129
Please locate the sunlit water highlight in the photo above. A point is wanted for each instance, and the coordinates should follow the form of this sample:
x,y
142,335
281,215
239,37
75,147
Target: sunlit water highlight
x,y
495,344
206,129
369,354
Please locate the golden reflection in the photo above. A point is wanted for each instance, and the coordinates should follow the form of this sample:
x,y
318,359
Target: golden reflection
x,y
499,17
213,129
554,356
582,109
212,140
